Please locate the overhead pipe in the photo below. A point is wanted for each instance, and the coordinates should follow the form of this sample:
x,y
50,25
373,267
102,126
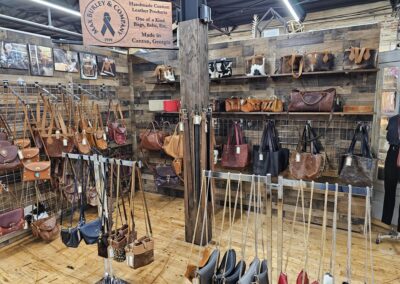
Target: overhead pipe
x,y
40,26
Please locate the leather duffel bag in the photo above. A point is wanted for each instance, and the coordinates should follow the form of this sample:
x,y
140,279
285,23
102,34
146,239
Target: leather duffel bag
x,y
312,101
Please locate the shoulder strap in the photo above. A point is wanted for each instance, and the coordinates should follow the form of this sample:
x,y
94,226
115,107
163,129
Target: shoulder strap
x,y
15,118
117,196
131,222
149,230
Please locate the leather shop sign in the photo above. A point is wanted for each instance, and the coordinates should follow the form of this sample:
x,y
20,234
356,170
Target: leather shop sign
x,y
127,23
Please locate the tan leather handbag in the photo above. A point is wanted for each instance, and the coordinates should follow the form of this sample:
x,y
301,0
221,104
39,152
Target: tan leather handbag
x,y
232,105
30,155
272,105
250,105
99,135
293,64
37,171
173,144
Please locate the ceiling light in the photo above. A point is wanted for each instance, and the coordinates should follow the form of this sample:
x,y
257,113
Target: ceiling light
x,y
291,10
58,7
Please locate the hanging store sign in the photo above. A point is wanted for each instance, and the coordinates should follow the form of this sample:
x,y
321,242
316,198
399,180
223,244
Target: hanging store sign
x,y
127,23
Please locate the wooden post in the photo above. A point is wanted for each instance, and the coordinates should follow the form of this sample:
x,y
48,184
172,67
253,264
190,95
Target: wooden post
x,y
194,87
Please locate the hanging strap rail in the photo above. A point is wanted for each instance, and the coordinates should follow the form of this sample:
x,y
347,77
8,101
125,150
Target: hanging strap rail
x,y
99,158
68,92
6,85
44,90
80,89
356,191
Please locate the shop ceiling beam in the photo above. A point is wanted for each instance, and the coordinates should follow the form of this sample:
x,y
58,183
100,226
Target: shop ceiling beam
x,y
40,26
194,89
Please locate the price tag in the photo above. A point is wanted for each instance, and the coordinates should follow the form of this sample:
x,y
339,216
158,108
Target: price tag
x,y
110,252
261,157
57,134
298,157
107,129
79,188
90,124
205,128
104,137
84,142
20,154
238,150
181,127
349,161
65,142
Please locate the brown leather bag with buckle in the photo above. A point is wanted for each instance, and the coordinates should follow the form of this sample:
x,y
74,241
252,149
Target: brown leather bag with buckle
x,y
313,101
37,171
46,229
293,64
272,105
53,142
232,105
251,105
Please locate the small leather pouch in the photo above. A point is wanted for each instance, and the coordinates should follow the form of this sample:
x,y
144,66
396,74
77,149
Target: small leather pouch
x,y
9,158
37,171
30,155
11,221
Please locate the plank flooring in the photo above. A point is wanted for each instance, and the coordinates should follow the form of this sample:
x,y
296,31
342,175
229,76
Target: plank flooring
x,y
32,261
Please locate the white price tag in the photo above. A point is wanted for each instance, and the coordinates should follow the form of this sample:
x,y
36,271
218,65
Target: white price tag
x,y
84,142
181,127
298,157
65,142
57,134
238,150
107,129
79,188
20,155
261,157
110,252
349,161
104,137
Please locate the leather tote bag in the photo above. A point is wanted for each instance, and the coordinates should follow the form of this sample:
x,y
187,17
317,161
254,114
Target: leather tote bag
x,y
358,169
232,105
319,61
307,165
11,221
360,58
269,157
173,144
235,155
313,101
153,138
293,64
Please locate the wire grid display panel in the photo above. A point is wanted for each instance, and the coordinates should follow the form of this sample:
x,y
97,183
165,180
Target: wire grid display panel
x,y
334,135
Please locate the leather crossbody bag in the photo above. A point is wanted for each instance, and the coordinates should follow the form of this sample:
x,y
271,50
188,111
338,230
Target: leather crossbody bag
x,y
313,101
30,154
80,137
116,129
307,165
24,142
100,136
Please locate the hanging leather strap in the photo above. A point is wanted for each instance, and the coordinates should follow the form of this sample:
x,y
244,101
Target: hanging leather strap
x,y
323,235
398,130
149,230
131,221
15,118
117,195
348,264
334,225
308,230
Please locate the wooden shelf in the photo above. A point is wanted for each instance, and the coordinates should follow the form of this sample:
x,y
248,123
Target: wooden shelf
x,y
296,113
245,77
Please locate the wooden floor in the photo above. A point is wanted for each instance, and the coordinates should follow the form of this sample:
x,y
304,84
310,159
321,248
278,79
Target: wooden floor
x,y
32,261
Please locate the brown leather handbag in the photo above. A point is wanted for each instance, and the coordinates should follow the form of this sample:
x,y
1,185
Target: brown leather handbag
x,y
152,138
11,221
307,165
30,155
53,142
99,135
46,229
67,136
293,64
9,158
173,144
313,101
232,105
251,105
360,58
273,105
37,171
319,61
235,155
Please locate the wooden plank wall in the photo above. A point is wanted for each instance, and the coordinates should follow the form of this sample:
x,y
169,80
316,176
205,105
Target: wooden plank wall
x,y
352,88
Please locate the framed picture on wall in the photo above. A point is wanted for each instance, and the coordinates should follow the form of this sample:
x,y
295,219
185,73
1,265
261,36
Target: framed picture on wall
x,y
106,66
41,60
66,61
14,56
88,66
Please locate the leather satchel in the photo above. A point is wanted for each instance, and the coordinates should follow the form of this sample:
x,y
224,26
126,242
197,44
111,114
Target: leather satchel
x,y
9,158
235,155
46,229
313,101
143,252
272,105
269,157
319,61
99,135
165,176
360,58
37,171
22,143
117,129
30,155
251,105
232,105
12,221
173,144
307,165
292,64
82,143
358,169
152,139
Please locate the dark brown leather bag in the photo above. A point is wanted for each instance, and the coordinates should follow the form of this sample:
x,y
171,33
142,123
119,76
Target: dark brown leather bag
x,y
292,64
313,101
153,138
232,105
46,229
307,165
360,58
319,61
251,105
12,221
235,155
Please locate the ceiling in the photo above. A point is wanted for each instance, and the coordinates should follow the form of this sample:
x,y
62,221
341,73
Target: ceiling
x,y
225,13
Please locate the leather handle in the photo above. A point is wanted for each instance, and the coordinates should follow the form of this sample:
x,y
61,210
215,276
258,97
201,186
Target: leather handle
x,y
321,96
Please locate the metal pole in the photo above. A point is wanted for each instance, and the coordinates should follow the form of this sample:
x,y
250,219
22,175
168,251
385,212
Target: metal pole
x,y
49,17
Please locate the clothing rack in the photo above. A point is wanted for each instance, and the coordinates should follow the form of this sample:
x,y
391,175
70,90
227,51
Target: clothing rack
x,y
99,162
357,191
